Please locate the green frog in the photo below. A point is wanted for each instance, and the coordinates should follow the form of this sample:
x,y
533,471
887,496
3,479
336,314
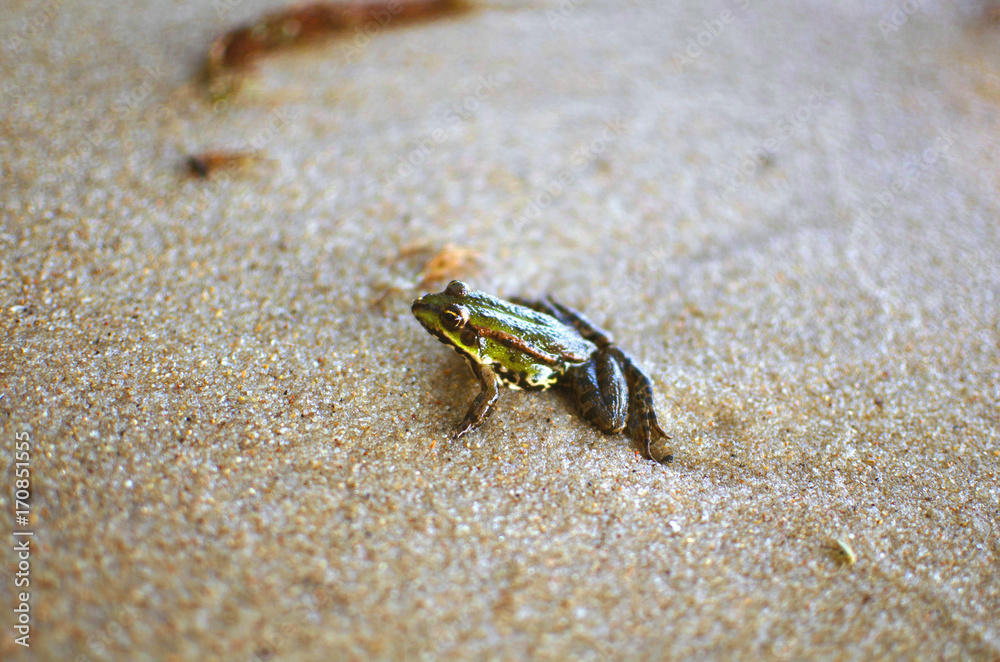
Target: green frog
x,y
535,345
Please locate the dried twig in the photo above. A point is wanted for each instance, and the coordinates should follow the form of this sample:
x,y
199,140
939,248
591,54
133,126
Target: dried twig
x,y
232,54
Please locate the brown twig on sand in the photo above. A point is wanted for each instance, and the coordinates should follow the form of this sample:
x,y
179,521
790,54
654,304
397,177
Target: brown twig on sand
x,y
232,54
205,164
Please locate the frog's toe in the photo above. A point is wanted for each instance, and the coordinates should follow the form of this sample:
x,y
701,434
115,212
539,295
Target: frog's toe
x,y
656,448
472,421
645,429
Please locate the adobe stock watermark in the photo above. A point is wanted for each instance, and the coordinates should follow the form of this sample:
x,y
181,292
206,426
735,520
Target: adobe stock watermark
x,y
914,167
380,19
112,635
787,125
556,186
14,96
126,102
253,146
557,17
271,644
710,30
874,272
21,495
457,114
34,25
899,16
645,267
225,7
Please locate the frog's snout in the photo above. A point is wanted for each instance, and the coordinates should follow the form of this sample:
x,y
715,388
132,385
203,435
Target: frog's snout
x,y
423,311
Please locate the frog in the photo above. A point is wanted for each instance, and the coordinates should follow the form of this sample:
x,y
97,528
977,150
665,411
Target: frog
x,y
536,345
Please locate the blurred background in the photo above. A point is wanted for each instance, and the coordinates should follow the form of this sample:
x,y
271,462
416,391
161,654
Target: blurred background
x,y
214,216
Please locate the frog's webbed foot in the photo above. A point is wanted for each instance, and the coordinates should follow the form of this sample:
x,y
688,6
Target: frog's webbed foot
x,y
482,406
642,423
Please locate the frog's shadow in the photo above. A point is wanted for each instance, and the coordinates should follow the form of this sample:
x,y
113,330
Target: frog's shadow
x,y
569,398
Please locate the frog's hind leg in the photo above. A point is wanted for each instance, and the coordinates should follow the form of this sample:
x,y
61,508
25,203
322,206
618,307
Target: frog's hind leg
x,y
570,317
601,390
599,386
642,423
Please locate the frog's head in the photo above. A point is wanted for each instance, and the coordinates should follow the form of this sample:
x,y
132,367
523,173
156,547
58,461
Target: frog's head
x,y
446,315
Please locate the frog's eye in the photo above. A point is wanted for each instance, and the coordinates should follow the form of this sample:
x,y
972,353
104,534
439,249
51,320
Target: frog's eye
x,y
455,317
456,288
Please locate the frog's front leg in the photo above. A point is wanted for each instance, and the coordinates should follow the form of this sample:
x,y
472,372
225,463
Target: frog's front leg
x,y
601,390
482,406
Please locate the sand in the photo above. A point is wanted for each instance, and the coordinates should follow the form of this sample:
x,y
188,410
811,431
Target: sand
x,y
239,436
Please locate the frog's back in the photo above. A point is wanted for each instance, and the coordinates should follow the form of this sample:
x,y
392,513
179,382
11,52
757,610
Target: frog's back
x,y
531,331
